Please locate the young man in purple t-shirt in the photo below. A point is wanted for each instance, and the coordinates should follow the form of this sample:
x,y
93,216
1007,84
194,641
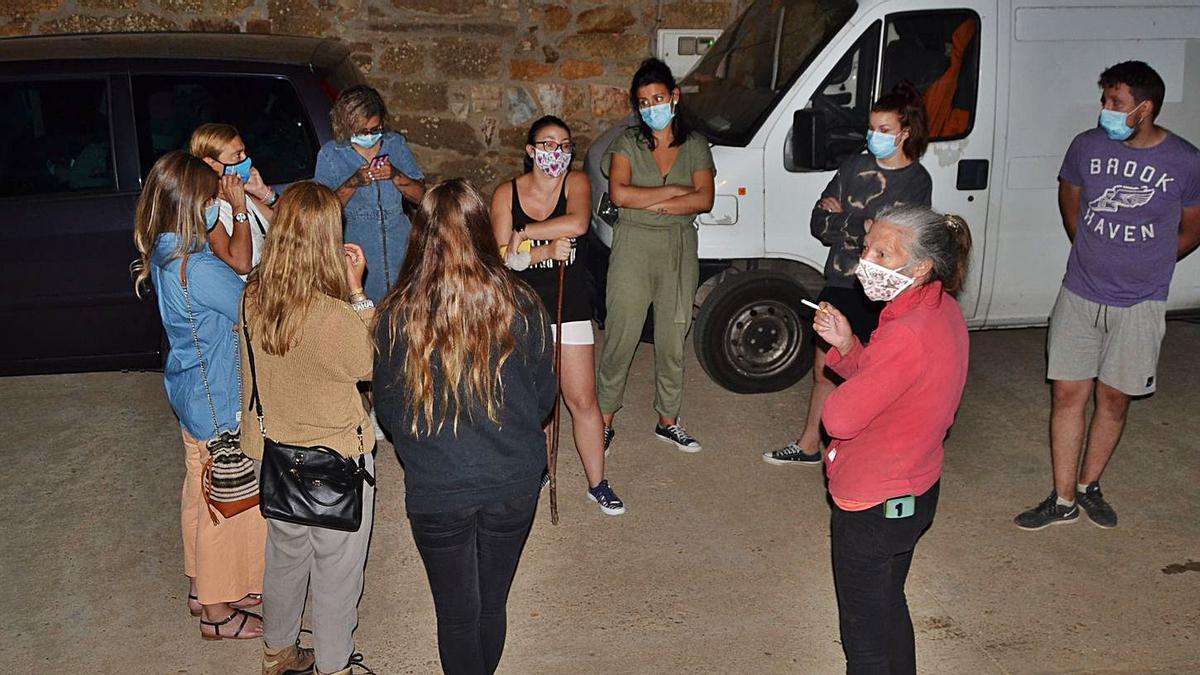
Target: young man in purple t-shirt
x,y
1129,193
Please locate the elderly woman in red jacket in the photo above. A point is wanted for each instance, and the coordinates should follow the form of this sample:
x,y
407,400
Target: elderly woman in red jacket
x,y
888,421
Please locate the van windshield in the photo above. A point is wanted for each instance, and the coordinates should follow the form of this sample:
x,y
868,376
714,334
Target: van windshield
x,y
730,92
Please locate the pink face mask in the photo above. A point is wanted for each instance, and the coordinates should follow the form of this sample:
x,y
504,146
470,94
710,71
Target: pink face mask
x,y
554,163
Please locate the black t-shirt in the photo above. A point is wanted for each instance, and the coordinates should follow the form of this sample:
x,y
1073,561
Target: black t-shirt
x,y
543,277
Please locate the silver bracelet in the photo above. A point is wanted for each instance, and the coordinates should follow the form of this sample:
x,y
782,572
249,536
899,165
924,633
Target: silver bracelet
x,y
362,305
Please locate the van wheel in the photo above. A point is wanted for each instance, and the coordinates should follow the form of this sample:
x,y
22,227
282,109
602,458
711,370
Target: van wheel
x,y
752,334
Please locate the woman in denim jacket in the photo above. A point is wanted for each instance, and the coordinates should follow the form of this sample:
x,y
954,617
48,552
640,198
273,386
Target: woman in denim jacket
x,y
222,557
372,171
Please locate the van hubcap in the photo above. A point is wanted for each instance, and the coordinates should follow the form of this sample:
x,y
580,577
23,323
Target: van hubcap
x,y
764,337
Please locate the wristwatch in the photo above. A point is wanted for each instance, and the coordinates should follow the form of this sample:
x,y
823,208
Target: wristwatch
x,y
241,217
274,197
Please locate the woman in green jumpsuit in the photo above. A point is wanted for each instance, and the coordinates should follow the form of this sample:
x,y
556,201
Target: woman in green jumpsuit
x,y
660,176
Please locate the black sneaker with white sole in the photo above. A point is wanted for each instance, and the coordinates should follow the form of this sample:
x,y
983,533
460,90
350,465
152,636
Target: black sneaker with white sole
x,y
792,453
603,495
1048,513
609,434
678,436
1098,510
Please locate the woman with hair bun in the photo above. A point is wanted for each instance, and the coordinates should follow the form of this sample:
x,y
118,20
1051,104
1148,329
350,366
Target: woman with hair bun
x,y
888,420
889,173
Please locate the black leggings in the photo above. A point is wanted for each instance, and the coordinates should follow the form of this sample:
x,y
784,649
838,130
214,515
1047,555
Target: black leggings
x,y
470,558
871,557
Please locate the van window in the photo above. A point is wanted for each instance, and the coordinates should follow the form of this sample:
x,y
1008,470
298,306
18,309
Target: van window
x,y
266,111
939,53
845,96
54,137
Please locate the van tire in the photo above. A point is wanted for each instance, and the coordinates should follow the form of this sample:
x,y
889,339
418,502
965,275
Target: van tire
x,y
752,335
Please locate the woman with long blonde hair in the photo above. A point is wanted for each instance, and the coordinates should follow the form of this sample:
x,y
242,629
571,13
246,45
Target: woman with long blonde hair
x,y
464,379
309,325
198,301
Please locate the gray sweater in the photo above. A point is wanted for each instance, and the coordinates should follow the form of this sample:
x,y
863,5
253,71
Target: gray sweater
x,y
864,189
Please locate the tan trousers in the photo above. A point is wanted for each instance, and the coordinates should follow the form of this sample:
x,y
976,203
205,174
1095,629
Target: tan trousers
x,y
226,559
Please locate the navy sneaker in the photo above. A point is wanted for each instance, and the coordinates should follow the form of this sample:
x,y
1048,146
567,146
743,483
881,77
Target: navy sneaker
x,y
545,480
603,495
609,435
678,436
1048,513
1098,510
792,453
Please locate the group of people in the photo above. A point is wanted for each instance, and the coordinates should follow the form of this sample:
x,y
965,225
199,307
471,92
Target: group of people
x,y
440,331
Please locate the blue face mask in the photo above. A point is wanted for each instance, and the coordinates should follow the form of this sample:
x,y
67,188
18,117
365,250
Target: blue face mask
x,y
658,117
211,213
1113,123
242,169
365,140
881,145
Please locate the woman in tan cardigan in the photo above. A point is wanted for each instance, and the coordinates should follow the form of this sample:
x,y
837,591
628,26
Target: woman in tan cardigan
x,y
309,326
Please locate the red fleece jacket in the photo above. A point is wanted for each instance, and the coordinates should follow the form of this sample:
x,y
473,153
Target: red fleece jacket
x,y
889,417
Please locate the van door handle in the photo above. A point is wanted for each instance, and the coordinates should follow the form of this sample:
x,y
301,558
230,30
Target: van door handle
x,y
972,174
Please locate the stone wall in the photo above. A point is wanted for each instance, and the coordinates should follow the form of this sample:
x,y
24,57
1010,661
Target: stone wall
x,y
463,78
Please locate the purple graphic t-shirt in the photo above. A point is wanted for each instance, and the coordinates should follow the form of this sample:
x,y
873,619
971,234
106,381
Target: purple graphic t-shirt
x,y
1128,231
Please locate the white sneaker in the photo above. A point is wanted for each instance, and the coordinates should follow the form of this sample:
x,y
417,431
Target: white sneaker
x,y
378,429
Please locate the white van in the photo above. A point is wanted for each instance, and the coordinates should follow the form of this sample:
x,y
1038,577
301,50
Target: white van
x,y
783,96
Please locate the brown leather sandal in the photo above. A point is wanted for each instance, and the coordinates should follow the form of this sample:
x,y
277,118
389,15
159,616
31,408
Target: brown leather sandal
x,y
237,635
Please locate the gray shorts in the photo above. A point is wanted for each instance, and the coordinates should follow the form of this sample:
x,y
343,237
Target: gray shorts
x,y
1119,345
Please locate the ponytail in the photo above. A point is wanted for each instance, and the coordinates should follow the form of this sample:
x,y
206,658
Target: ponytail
x,y
906,101
942,239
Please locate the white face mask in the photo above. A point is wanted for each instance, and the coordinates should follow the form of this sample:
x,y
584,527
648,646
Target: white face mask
x,y
879,283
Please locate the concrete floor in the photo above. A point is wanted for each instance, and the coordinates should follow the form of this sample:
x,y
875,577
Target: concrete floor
x,y
721,564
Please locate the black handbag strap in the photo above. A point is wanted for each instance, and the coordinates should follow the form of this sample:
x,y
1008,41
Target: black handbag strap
x,y
255,403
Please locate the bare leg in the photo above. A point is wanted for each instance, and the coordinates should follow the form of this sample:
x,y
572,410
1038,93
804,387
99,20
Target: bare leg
x,y
1108,422
1068,408
579,393
810,438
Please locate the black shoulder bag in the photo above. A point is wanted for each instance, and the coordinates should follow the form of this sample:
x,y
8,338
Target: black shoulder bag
x,y
306,485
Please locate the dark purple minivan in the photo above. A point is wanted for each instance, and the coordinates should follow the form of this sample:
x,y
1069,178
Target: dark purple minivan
x,y
82,119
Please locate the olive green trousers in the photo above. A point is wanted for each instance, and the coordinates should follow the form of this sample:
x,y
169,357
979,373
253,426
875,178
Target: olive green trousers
x,y
649,266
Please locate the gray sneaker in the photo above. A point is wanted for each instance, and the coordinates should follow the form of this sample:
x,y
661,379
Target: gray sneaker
x,y
1098,510
793,454
1048,513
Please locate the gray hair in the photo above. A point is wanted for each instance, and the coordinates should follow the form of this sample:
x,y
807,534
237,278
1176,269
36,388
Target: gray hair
x,y
941,238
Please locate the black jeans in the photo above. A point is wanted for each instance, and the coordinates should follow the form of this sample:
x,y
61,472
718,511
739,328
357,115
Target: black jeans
x,y
470,558
871,556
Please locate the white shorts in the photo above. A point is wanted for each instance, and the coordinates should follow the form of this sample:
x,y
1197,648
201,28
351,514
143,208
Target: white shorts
x,y
575,333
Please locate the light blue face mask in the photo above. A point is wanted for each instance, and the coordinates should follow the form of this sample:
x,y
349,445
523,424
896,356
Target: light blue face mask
x,y
881,145
1113,123
365,140
658,117
242,169
211,213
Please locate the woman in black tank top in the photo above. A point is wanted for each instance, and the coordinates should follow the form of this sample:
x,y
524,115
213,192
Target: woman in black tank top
x,y
542,212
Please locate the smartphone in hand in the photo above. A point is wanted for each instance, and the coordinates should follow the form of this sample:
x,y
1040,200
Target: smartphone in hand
x,y
379,161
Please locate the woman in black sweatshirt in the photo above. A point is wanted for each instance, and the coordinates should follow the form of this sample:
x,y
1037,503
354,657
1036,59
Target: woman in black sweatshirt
x,y
464,380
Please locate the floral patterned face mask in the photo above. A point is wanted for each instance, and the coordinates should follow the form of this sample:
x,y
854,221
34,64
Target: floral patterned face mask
x,y
879,283
553,162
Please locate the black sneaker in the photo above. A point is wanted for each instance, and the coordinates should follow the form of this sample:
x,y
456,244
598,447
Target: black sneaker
x,y
792,453
675,434
1098,510
609,434
1049,512
545,480
603,495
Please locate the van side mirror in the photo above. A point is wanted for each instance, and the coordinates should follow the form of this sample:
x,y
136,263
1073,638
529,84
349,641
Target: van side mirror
x,y
809,140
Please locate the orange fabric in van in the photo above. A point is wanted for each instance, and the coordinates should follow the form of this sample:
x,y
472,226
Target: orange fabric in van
x,y
944,118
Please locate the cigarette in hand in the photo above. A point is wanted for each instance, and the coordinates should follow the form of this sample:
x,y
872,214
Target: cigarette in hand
x,y
809,303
